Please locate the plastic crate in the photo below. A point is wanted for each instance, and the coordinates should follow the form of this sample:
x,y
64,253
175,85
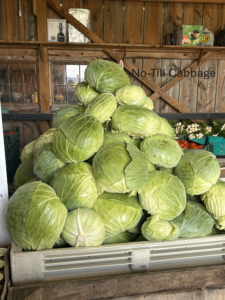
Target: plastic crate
x,y
10,140
73,263
201,141
218,144
11,152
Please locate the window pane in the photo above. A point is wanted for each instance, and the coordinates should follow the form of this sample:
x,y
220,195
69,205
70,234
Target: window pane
x,y
29,91
29,74
59,74
16,93
82,70
59,92
16,73
72,72
71,97
3,73
4,93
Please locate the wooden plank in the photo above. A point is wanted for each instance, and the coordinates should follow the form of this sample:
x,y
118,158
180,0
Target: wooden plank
x,y
51,14
139,284
66,4
138,64
113,21
153,23
173,18
30,23
212,18
2,21
18,54
170,64
220,88
11,20
188,89
183,1
41,20
193,14
207,88
133,22
148,66
114,55
34,2
177,79
22,23
74,55
96,9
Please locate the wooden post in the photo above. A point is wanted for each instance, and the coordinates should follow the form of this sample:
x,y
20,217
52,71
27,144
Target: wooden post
x,y
44,84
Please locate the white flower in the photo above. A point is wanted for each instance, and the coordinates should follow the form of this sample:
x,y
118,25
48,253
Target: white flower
x,y
189,126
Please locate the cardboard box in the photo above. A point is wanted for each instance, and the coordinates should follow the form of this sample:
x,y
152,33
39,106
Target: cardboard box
x,y
190,35
56,29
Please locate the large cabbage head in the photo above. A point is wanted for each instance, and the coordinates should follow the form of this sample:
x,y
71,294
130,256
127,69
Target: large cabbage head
x,y
122,237
106,76
160,231
119,212
27,151
166,128
45,138
163,194
102,107
149,103
119,168
78,138
136,121
162,150
60,243
46,163
24,173
194,221
75,186
83,228
114,136
35,216
132,95
214,200
85,93
66,112
198,170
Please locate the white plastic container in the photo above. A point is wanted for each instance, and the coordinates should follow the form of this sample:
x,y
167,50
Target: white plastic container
x,y
207,37
73,263
82,15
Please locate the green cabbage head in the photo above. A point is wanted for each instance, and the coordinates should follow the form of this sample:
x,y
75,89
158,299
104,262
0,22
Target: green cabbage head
x,y
160,231
78,138
119,168
45,138
106,76
35,216
198,170
85,93
132,95
60,243
66,112
83,228
149,103
27,151
24,173
163,195
136,121
114,136
122,237
119,212
162,150
166,128
75,186
102,107
194,221
214,200
46,163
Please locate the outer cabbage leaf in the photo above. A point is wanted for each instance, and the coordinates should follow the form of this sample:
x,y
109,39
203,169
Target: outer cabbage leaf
x,y
27,151
106,76
162,150
160,231
131,95
24,173
66,112
60,243
102,107
114,136
85,93
149,103
78,138
119,212
122,237
46,163
83,228
75,186
45,138
194,221
136,121
163,194
166,128
35,216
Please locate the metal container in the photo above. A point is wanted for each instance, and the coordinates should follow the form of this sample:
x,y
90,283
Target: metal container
x,y
82,15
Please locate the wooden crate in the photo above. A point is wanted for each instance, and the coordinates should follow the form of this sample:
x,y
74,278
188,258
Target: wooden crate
x,y
5,283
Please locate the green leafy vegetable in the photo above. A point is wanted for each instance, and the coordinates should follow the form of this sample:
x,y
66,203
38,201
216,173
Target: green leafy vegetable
x,y
45,138
27,151
132,95
85,93
66,112
24,173
122,237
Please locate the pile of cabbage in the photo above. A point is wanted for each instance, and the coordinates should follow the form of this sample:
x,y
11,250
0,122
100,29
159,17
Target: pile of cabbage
x,y
110,171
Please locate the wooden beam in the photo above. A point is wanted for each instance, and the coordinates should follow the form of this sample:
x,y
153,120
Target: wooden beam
x,y
176,79
79,26
200,58
183,1
41,20
34,7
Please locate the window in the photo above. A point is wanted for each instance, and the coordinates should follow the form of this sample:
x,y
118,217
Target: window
x,y
65,78
18,84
